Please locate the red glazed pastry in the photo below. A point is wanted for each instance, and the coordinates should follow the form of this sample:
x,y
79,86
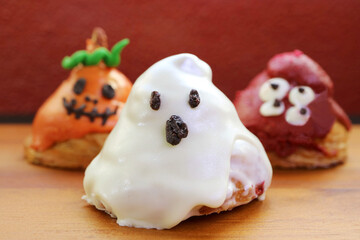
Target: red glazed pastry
x,y
290,108
70,128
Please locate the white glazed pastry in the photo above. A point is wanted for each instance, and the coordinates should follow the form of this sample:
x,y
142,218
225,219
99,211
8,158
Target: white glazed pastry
x,y
178,148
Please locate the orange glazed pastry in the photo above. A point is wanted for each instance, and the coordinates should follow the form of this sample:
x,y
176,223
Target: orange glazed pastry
x,y
290,108
71,126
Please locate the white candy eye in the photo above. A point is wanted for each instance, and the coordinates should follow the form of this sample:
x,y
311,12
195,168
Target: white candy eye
x,y
297,115
274,88
301,95
272,108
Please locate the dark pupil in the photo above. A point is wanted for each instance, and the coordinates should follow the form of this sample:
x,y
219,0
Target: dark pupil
x,y
277,103
303,111
79,86
274,86
108,91
301,90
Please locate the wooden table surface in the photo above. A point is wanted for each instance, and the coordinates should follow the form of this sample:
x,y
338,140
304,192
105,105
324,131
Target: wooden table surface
x,y
43,203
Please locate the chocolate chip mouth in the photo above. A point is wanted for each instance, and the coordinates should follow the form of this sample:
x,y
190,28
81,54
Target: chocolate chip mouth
x,y
176,129
92,115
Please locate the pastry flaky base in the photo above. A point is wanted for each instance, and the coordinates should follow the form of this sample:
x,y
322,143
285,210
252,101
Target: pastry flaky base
x,y
239,197
334,144
71,154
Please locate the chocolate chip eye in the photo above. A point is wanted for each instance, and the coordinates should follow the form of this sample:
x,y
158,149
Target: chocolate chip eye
x,y
155,101
108,91
79,86
194,98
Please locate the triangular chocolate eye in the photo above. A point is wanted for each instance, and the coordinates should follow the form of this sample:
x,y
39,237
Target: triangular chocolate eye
x,y
155,101
194,98
79,86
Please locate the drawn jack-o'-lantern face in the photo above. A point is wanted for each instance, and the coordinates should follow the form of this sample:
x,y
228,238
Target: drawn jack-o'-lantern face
x,y
95,93
89,101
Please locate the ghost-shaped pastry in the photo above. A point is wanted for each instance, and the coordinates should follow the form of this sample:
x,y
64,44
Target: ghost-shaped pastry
x,y
178,147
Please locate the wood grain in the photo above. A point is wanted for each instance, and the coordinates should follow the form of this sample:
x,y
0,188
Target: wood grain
x,y
44,203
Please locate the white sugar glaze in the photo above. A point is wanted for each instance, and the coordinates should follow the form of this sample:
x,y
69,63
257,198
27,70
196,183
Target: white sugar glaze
x,y
144,181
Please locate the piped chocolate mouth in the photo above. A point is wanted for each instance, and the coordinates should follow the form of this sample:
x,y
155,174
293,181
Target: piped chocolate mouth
x,y
92,115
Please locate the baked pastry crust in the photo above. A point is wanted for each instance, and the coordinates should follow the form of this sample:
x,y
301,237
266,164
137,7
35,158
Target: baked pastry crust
x,y
334,144
333,152
239,197
62,154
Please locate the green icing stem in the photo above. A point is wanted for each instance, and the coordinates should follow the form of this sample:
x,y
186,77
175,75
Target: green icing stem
x,y
111,59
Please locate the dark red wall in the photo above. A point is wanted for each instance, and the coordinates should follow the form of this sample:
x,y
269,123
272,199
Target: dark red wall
x,y
235,37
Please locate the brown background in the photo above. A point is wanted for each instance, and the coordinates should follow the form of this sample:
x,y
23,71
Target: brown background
x,y
235,37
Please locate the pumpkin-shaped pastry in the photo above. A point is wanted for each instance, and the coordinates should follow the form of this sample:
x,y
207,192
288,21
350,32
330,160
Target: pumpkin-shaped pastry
x,y
71,126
